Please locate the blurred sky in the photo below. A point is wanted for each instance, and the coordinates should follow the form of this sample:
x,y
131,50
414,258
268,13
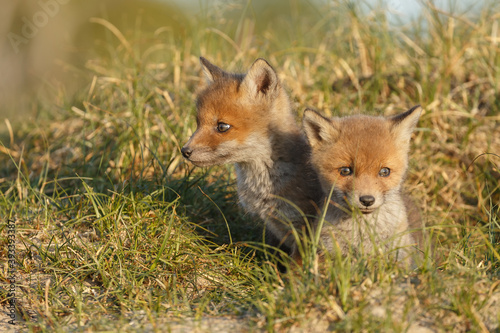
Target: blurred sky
x,y
398,11
410,9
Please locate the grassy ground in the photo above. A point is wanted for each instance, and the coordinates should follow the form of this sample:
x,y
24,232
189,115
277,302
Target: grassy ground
x,y
115,232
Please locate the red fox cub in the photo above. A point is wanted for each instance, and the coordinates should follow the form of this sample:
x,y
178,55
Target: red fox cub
x,y
246,119
364,159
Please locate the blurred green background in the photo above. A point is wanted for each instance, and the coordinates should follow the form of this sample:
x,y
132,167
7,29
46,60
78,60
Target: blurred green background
x,y
47,44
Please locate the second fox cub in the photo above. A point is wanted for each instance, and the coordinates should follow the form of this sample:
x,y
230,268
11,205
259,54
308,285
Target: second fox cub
x,y
364,159
246,119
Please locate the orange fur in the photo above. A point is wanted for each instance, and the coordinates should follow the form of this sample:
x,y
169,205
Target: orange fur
x,y
223,103
263,141
367,144
363,161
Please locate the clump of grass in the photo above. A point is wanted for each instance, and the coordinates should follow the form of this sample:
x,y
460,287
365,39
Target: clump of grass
x,y
116,232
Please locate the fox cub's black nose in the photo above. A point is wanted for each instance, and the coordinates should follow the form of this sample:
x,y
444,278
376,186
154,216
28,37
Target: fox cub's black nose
x,y
367,200
186,152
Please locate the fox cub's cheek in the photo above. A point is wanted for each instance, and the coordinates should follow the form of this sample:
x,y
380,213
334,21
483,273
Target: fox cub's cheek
x,y
342,183
390,182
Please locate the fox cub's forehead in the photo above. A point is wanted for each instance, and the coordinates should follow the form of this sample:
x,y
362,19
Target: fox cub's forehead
x,y
361,125
366,142
366,131
218,99
218,92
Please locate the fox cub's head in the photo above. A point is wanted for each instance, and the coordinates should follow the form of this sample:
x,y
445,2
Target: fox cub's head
x,y
234,113
364,158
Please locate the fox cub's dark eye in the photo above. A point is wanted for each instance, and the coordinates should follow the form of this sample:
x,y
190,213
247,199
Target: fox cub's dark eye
x,y
384,172
345,171
223,127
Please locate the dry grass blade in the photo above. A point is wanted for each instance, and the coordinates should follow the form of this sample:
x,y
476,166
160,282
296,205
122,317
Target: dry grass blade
x,y
114,232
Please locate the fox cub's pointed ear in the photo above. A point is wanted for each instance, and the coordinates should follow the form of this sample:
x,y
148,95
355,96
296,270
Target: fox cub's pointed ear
x,y
404,123
261,79
318,129
212,72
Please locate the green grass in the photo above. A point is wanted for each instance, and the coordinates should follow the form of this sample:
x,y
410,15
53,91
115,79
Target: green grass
x,y
115,232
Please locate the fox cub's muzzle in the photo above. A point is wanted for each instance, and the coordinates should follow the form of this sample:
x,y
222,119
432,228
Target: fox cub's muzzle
x,y
367,200
186,151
